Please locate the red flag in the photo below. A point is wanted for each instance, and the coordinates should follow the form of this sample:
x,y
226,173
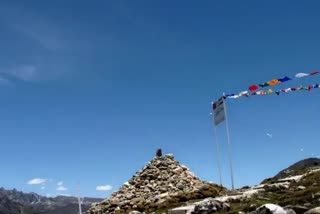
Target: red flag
x,y
315,72
253,87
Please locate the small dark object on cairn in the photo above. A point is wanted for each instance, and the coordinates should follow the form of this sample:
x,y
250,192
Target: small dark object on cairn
x,y
159,152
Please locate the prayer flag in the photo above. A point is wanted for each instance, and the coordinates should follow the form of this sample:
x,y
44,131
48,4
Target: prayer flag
x,y
253,87
270,91
300,75
284,79
274,82
315,72
264,85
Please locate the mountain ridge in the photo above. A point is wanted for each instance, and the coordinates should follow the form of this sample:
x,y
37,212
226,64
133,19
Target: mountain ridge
x,y
17,202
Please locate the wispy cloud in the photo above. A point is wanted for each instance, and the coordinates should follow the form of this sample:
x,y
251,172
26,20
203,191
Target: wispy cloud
x,y
21,72
67,195
33,26
104,188
269,135
48,38
60,186
36,181
43,187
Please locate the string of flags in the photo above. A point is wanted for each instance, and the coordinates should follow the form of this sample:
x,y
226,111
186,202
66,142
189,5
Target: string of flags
x,y
270,91
258,89
218,107
277,81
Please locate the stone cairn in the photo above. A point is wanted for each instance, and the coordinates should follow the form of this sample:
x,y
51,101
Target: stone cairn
x,y
161,184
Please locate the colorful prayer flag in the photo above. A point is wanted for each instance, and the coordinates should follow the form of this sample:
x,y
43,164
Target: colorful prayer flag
x,y
315,72
253,87
270,91
274,82
264,85
284,79
300,75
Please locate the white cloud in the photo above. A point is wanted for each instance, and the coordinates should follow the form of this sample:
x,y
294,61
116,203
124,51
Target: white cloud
x,y
37,181
104,188
22,72
61,188
269,135
67,195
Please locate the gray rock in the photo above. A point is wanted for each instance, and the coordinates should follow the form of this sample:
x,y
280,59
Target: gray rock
x,y
297,208
314,211
170,156
269,209
135,212
301,188
290,211
210,205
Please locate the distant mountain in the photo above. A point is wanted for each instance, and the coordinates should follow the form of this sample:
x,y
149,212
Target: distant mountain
x,y
16,202
297,168
10,207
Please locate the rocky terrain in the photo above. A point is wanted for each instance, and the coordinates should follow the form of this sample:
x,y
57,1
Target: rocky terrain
x,y
16,202
161,184
164,184
293,190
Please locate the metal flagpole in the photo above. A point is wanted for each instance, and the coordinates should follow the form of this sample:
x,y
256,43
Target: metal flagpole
x,y
229,144
79,201
217,150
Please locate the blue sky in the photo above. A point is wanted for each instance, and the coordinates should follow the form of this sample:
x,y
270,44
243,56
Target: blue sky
x,y
90,89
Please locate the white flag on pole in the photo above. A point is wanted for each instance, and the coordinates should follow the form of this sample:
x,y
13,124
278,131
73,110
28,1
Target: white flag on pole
x,y
219,111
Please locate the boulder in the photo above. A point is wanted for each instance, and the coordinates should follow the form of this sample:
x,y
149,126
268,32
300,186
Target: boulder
x,y
269,209
210,205
314,211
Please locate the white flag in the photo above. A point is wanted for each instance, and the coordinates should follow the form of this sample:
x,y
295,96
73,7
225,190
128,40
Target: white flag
x,y
300,75
218,111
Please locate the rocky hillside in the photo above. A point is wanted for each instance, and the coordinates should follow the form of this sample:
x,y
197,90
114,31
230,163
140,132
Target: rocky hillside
x,y
297,168
9,207
297,193
161,184
16,202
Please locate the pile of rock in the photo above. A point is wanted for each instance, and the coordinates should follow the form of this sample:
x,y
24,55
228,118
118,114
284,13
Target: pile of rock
x,y
162,183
